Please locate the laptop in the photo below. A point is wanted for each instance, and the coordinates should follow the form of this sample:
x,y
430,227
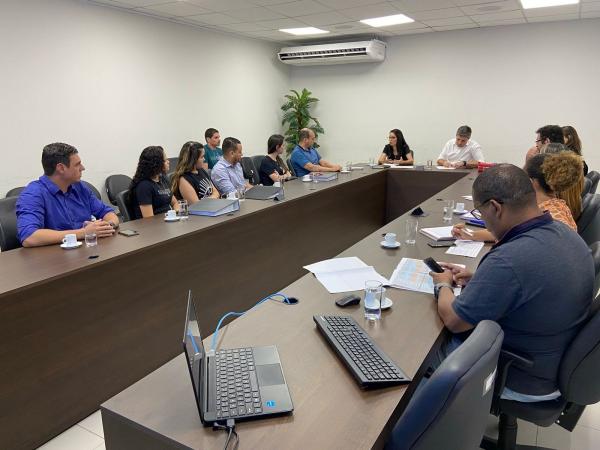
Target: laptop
x,y
241,384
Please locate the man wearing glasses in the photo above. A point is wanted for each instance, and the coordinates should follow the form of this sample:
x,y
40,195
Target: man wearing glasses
x,y
536,282
546,135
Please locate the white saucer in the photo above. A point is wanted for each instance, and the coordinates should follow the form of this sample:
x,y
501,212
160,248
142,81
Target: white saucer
x,y
456,211
174,219
71,247
344,171
384,245
306,180
386,303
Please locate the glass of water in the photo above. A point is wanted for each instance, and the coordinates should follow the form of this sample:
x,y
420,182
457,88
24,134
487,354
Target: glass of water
x,y
373,297
241,193
448,210
91,242
183,212
348,166
412,225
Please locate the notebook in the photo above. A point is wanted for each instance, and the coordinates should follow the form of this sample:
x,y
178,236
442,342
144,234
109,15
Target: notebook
x,y
262,192
213,207
438,233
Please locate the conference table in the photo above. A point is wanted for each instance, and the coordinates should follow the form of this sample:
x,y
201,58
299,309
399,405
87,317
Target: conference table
x,y
76,331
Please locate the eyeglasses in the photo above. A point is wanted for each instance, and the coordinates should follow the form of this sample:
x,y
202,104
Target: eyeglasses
x,y
475,212
538,141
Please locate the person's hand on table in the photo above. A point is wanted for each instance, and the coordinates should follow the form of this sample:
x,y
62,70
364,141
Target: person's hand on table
x,y
459,232
460,275
448,164
445,277
100,227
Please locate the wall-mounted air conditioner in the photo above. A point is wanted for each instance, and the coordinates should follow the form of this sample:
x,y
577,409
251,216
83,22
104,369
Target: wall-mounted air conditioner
x,y
342,53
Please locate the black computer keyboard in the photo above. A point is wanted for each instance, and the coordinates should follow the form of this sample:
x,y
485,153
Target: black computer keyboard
x,y
237,386
369,365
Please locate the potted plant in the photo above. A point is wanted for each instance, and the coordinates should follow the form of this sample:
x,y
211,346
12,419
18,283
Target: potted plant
x,y
296,114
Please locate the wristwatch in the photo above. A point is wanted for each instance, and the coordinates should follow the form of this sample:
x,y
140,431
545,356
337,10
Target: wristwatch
x,y
464,163
114,225
438,286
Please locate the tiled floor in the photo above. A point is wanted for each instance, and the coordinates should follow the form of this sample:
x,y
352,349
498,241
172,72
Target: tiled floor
x,y
88,434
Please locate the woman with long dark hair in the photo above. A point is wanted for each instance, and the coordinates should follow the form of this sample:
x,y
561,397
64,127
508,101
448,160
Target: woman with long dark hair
x,y
397,151
573,143
149,192
272,168
190,181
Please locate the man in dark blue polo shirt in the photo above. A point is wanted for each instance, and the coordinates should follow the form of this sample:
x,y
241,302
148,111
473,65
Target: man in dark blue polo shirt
x,y
305,158
57,203
536,282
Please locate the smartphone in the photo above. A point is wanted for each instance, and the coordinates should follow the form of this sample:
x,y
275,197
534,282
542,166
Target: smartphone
x,y
433,265
441,244
128,233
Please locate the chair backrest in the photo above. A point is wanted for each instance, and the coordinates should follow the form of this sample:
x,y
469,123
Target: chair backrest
x,y
93,189
115,184
250,172
595,248
173,164
595,177
587,185
8,224
257,161
580,366
449,411
125,206
14,192
588,223
288,161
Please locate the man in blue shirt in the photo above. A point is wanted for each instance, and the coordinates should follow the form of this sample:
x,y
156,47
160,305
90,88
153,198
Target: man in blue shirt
x,y
57,203
305,158
212,152
227,175
536,282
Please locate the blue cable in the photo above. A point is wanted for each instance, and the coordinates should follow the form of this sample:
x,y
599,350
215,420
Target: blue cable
x,y
213,343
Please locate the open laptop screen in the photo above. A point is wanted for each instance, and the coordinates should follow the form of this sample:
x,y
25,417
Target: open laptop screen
x,y
194,352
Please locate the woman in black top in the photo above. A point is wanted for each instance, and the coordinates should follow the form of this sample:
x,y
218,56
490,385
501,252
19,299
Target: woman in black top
x,y
272,168
190,181
149,192
573,143
397,151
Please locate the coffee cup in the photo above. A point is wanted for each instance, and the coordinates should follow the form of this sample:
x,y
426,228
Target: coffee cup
x,y
460,207
171,214
70,240
390,239
306,177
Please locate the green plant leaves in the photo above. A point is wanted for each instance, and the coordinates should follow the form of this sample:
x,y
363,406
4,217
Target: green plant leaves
x,y
297,116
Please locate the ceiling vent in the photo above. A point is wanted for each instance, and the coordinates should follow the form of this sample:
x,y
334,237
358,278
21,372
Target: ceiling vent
x,y
342,53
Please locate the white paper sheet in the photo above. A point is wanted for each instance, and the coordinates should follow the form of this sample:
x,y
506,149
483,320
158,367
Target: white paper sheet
x,y
465,248
413,275
349,280
445,168
336,264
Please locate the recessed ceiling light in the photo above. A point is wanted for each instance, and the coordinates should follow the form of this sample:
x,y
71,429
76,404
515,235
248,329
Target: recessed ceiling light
x,y
386,21
530,4
303,31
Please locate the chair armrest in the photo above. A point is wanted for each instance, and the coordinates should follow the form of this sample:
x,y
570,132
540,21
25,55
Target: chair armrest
x,y
507,358
516,359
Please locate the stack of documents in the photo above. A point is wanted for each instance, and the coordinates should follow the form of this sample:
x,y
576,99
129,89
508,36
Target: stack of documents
x,y
438,233
344,274
325,176
213,207
465,248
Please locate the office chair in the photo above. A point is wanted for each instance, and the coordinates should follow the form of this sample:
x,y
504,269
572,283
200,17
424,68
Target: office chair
x,y
595,248
250,172
450,410
577,380
8,224
588,223
289,164
257,161
125,206
115,184
173,164
14,192
594,177
93,189
587,185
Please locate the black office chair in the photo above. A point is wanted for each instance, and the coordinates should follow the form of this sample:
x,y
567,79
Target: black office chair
x,y
14,192
125,206
115,184
577,381
250,172
587,185
289,164
595,248
173,164
93,189
588,223
257,161
594,177
450,410
8,224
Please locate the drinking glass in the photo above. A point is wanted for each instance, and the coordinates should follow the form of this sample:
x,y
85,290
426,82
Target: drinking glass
x,y
241,193
183,212
448,210
373,297
412,225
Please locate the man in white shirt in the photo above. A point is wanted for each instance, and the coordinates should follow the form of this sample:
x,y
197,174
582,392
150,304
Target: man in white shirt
x,y
461,151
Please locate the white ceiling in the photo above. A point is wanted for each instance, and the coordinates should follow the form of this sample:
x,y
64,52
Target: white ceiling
x,y
261,19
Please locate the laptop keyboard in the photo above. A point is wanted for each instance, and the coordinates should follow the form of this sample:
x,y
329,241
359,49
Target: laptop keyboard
x,y
369,365
237,385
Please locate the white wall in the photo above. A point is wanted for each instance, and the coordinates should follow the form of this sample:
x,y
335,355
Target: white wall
x,y
504,82
111,83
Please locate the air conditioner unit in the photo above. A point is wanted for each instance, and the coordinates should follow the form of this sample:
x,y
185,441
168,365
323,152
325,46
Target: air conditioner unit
x,y
342,53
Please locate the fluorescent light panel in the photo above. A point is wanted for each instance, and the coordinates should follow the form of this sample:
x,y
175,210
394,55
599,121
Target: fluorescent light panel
x,y
387,21
303,31
531,4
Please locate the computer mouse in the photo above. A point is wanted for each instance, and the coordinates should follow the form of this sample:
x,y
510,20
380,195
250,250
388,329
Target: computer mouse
x,y
348,301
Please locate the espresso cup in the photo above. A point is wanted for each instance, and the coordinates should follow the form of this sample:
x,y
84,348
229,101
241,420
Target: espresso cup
x,y
460,207
390,238
171,214
70,240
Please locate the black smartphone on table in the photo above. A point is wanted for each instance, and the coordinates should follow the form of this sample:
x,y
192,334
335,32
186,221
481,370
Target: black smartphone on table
x,y
128,233
433,265
441,244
